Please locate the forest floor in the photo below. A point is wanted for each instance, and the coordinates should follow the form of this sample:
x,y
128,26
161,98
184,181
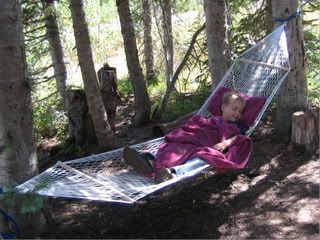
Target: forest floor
x,y
275,196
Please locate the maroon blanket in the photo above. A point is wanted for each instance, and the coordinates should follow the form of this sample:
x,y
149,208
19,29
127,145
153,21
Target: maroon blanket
x,y
196,138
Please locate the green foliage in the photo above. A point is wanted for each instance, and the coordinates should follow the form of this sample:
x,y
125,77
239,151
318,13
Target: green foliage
x,y
125,87
312,49
182,6
181,104
157,87
314,91
103,25
251,21
154,87
313,74
27,202
49,119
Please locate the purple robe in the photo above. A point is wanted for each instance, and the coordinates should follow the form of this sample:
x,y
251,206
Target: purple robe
x,y
197,137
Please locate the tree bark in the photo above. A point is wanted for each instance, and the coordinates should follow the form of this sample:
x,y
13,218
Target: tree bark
x,y
268,17
81,128
57,53
142,101
167,38
56,50
293,93
217,39
98,113
108,86
304,131
18,160
148,47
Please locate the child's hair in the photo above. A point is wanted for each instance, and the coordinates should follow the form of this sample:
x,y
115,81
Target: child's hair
x,y
232,96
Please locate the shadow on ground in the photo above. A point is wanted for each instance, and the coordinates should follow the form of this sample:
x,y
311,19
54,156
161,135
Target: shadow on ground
x,y
275,196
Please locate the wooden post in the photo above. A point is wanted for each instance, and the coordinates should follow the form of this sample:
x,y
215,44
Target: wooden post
x,y
304,131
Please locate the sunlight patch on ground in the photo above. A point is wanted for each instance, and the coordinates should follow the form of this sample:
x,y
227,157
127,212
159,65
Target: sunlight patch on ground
x,y
287,209
49,142
307,215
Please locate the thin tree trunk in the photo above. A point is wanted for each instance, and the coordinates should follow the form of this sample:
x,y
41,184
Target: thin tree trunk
x,y
167,38
217,39
96,108
57,53
293,94
158,113
142,101
18,160
148,47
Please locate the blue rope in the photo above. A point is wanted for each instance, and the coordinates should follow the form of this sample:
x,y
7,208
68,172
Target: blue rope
x,y
11,219
283,20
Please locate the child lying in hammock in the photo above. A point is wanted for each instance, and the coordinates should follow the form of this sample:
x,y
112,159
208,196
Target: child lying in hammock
x,y
218,140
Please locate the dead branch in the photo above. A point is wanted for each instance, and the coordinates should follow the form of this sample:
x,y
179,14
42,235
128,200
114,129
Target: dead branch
x,y
165,100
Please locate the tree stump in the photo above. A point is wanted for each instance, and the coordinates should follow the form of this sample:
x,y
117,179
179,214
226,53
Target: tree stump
x,y
304,131
108,86
81,128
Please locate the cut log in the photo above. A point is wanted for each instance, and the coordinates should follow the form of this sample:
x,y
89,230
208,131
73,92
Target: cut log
x,y
161,129
304,131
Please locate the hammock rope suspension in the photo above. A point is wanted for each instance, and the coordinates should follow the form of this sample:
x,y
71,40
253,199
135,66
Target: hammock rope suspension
x,y
259,71
283,20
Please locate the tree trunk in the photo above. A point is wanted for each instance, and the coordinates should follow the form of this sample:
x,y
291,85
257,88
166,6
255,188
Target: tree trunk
x,y
268,16
57,54
293,93
56,50
217,39
18,160
167,38
108,85
304,131
142,101
158,112
98,113
148,48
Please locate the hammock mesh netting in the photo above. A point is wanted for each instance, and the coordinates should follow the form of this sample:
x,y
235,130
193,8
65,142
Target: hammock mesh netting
x,y
257,72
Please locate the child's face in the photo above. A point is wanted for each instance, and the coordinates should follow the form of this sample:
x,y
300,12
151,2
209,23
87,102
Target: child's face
x,y
233,110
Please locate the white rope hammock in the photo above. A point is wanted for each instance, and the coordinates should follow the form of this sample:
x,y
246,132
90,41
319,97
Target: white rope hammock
x,y
257,72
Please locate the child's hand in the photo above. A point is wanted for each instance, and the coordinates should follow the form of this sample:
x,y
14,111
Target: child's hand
x,y
221,146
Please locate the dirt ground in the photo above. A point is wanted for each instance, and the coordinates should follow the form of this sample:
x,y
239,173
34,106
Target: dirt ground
x,y
275,196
